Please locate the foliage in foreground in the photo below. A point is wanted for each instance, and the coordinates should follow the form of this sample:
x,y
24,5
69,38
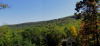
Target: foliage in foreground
x,y
49,34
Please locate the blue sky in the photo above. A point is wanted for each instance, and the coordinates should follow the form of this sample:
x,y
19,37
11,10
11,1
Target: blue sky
x,y
21,11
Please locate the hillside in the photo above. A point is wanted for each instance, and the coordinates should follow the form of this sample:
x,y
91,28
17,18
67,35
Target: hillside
x,y
41,33
60,22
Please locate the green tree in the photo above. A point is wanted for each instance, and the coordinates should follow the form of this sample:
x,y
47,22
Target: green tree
x,y
53,37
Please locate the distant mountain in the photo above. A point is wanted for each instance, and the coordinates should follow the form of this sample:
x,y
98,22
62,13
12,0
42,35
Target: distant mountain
x,y
60,21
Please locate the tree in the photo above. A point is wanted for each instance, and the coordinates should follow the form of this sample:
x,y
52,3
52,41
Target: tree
x,y
53,37
32,35
87,8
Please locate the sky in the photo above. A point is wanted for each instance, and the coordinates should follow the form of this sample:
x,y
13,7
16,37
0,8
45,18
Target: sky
x,y
21,11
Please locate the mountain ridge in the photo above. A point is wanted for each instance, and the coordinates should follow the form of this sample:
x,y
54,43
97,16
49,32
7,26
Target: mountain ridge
x,y
39,22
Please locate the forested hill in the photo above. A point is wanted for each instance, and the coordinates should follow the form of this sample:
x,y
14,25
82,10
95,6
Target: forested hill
x,y
59,22
43,33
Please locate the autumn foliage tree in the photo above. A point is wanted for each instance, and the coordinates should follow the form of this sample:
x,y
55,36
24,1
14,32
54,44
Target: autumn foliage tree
x,y
88,10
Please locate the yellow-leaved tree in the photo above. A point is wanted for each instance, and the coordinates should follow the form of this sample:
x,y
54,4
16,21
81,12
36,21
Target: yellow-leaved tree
x,y
74,31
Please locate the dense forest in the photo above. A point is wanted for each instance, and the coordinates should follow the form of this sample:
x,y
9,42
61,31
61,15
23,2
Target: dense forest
x,y
44,33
